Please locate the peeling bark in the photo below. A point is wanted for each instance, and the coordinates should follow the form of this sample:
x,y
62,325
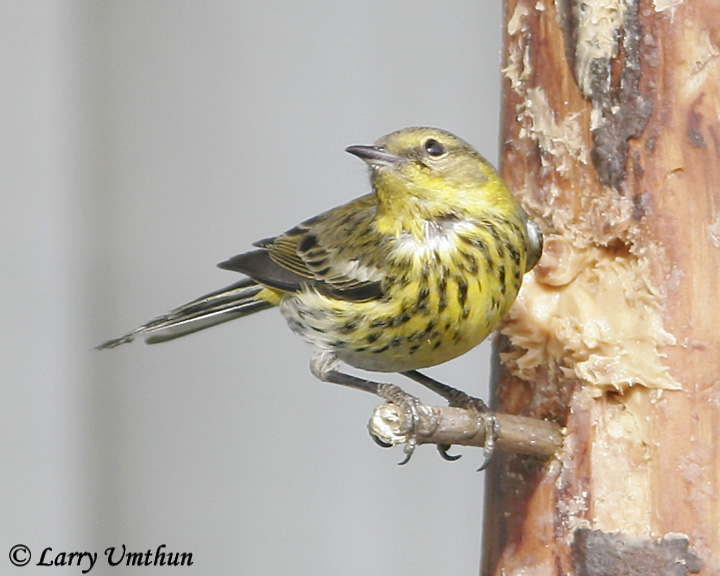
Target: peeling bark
x,y
611,139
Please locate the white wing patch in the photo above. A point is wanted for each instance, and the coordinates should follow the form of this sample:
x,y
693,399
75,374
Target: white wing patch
x,y
358,271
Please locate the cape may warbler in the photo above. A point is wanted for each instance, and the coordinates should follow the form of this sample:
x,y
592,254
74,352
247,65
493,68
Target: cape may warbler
x,y
412,275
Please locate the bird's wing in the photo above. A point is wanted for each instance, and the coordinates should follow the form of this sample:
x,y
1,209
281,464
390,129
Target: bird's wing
x,y
329,252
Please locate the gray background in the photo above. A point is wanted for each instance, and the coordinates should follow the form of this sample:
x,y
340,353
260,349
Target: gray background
x,y
143,142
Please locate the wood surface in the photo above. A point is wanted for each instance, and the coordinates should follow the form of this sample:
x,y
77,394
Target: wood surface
x,y
611,139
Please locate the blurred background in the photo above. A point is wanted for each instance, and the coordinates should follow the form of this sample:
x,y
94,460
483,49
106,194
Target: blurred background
x,y
142,143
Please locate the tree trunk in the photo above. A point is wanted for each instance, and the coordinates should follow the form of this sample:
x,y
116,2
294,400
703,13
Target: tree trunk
x,y
611,139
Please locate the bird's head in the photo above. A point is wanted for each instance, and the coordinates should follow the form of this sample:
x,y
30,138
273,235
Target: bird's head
x,y
426,174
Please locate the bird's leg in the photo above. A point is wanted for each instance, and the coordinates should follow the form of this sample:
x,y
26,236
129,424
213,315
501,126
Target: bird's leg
x,y
323,366
459,399
456,398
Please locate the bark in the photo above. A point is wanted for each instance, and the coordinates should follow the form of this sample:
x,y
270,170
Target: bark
x,y
611,139
450,426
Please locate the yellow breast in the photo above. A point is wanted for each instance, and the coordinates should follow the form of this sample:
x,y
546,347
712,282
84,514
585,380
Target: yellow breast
x,y
441,299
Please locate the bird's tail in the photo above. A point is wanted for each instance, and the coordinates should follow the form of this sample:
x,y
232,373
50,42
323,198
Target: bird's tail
x,y
225,304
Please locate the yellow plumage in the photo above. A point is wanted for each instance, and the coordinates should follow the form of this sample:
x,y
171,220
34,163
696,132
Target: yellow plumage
x,y
409,276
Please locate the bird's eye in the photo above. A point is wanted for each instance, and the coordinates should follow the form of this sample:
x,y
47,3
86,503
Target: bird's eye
x,y
434,148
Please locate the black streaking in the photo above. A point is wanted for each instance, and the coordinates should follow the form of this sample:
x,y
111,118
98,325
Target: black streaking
x,y
429,328
472,267
422,298
399,320
514,253
442,291
349,327
462,292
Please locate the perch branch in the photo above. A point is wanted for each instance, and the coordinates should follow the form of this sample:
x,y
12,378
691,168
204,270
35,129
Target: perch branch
x,y
449,425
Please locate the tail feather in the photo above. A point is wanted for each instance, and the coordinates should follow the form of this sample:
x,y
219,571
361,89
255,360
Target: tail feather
x,y
229,303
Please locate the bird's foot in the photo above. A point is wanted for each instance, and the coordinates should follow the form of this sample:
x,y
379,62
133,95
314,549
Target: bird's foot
x,y
485,419
459,399
411,407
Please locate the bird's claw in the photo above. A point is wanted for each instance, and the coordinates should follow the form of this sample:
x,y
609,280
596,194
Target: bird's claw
x,y
484,418
410,406
380,442
491,433
443,450
462,400
409,451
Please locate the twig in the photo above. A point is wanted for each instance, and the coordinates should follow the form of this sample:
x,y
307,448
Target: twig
x,y
448,425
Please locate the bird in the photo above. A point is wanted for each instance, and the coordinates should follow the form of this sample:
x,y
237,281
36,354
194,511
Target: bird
x,y
411,275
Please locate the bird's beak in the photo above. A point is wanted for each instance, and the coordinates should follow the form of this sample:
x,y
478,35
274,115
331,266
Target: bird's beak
x,y
375,156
